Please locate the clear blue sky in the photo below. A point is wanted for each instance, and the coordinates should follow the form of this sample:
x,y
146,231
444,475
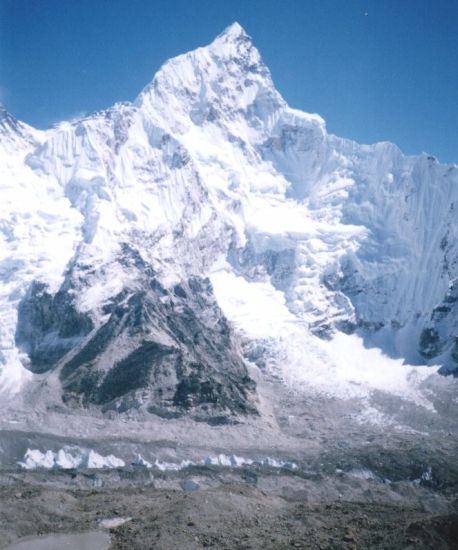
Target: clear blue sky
x,y
374,69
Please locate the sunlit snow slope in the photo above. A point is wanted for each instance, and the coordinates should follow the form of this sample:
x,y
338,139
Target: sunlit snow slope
x,y
128,237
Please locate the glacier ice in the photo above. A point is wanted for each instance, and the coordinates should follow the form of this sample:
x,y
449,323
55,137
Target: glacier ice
x,y
67,459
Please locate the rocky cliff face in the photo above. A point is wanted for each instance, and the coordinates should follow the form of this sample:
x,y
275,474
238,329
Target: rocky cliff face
x,y
142,245
167,351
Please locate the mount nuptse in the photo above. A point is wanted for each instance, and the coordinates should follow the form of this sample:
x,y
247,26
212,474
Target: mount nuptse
x,y
150,253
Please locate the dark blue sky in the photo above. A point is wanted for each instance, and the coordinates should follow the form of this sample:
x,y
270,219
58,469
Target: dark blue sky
x,y
374,69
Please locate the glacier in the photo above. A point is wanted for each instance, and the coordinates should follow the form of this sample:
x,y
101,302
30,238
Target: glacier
x,y
155,253
70,458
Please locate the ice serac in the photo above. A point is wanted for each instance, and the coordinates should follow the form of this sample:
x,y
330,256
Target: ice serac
x,y
166,242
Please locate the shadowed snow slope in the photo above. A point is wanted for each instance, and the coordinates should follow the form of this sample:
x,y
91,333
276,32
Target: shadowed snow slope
x,y
130,237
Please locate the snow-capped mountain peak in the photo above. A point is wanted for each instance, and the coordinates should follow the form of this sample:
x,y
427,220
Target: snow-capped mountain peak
x,y
15,136
222,82
233,32
167,241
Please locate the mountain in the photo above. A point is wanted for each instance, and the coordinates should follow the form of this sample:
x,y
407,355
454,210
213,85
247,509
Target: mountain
x,y
152,253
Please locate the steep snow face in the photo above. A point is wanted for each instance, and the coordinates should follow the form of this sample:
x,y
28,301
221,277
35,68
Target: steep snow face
x,y
39,232
408,262
317,248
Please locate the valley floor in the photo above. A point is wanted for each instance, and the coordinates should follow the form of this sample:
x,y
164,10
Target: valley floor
x,y
234,514
378,473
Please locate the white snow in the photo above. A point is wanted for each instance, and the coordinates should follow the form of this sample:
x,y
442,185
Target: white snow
x,y
342,366
209,160
171,466
69,458
231,461
95,460
234,461
140,461
74,457
34,458
256,308
66,460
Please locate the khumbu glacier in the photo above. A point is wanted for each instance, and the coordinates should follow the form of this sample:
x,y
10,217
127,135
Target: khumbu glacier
x,y
160,257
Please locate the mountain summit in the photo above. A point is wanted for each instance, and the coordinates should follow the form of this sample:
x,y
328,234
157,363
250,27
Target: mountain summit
x,y
157,256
